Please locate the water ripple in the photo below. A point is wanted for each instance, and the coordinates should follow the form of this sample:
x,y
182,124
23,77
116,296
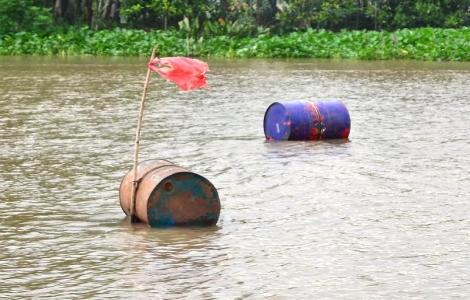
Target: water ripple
x,y
383,214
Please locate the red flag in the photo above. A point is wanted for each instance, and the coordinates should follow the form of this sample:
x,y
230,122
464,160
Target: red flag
x,y
187,73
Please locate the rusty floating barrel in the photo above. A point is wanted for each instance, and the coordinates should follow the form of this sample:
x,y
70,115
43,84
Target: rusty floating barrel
x,y
305,120
169,195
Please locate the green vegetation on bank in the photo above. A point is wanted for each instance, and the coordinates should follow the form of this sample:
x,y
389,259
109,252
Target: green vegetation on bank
x,y
355,29
418,44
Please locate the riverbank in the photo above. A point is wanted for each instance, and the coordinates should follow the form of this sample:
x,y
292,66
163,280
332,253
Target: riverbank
x,y
417,44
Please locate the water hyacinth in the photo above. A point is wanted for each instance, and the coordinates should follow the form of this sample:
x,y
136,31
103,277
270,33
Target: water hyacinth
x,y
418,44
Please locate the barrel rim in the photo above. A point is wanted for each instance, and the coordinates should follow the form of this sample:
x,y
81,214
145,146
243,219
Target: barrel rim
x,y
283,104
191,173
216,195
143,175
266,113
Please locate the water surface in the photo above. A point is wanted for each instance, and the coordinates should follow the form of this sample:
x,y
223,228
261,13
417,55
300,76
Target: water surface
x,y
381,215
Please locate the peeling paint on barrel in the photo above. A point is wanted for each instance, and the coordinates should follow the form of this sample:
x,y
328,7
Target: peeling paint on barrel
x,y
305,120
169,195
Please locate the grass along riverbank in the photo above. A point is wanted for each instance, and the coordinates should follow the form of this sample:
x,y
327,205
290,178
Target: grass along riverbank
x,y
419,44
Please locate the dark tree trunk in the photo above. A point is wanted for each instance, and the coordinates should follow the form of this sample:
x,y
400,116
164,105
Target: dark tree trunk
x,y
223,8
266,11
107,11
58,9
88,11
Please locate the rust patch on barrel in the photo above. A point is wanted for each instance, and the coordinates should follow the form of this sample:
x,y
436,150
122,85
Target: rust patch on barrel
x,y
169,195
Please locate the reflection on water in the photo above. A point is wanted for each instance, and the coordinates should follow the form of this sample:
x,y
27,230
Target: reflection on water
x,y
383,214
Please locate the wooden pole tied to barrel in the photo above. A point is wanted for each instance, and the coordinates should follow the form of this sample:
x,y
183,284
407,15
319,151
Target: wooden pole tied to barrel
x,y
135,182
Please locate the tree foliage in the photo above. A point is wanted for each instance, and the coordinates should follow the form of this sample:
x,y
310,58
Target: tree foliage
x,y
374,14
25,15
232,17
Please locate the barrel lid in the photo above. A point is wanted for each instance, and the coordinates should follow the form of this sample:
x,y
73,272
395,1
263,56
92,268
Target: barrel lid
x,y
180,198
277,122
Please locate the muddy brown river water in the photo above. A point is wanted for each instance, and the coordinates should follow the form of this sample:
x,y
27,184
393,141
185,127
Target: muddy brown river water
x,y
382,215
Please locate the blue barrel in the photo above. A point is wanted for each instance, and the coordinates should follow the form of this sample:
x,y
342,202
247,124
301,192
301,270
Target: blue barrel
x,y
305,120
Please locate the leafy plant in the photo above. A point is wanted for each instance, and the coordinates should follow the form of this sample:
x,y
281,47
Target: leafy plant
x,y
418,44
26,15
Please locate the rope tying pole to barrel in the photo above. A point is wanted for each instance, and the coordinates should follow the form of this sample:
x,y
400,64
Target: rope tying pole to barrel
x,y
135,182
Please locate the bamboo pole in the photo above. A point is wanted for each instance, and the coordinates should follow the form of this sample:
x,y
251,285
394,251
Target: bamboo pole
x,y
135,182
